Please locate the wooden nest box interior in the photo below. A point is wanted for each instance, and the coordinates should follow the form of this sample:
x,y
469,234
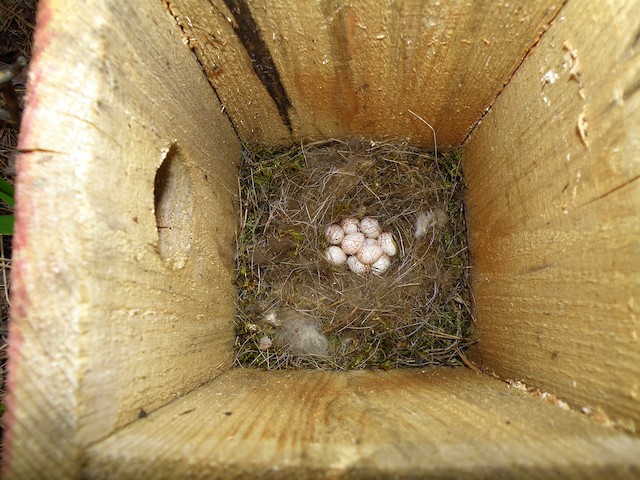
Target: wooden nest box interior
x,y
122,333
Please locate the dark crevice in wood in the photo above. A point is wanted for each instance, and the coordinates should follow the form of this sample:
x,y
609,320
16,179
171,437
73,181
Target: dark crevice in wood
x,y
613,190
534,44
632,90
204,71
262,62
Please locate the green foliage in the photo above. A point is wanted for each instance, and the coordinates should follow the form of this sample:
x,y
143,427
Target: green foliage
x,y
6,224
7,193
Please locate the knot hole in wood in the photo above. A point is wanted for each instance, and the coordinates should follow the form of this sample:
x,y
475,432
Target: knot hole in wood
x,y
174,205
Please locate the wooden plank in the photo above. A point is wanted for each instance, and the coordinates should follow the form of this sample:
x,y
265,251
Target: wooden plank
x,y
102,327
437,423
287,70
553,206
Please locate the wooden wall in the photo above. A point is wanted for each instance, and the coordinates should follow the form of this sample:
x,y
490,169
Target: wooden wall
x,y
109,324
103,328
431,424
554,214
287,70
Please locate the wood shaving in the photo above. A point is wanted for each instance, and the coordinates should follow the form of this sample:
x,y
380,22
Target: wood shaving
x,y
582,128
572,62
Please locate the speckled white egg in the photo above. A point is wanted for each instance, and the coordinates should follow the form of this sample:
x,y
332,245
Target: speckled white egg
x,y
334,234
369,254
388,246
370,227
370,241
350,225
265,343
335,255
356,266
382,265
352,243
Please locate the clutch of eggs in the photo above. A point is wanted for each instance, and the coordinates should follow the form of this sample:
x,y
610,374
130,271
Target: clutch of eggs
x,y
361,244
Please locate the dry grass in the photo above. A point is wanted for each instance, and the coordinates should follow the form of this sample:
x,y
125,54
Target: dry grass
x,y
416,314
17,18
5,267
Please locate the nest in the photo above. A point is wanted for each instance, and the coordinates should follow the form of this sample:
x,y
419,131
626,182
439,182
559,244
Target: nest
x,y
296,310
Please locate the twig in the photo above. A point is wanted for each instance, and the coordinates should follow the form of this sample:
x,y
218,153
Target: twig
x,y
435,143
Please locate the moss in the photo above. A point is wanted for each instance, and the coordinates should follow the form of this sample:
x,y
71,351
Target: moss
x,y
415,315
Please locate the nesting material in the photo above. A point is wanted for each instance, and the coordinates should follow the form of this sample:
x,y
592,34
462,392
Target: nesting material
x,y
351,255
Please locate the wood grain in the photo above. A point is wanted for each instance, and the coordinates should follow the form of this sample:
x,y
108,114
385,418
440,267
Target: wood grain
x,y
349,69
112,334
102,328
437,423
553,207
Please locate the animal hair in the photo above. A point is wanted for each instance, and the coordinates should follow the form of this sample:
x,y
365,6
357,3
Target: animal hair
x,y
300,334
